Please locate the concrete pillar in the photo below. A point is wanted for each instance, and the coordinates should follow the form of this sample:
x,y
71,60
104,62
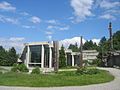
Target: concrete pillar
x,y
72,60
28,56
42,57
66,58
50,57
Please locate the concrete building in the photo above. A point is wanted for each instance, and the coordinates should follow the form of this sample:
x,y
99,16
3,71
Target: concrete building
x,y
46,56
38,54
73,58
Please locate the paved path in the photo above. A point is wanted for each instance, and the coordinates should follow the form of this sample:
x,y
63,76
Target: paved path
x,y
113,85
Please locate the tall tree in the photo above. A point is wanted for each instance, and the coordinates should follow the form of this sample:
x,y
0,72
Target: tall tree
x,y
74,47
62,59
89,45
116,40
12,56
8,58
2,56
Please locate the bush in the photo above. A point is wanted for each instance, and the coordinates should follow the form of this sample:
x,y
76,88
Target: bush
x,y
0,72
96,62
92,71
22,68
19,67
36,71
15,68
85,70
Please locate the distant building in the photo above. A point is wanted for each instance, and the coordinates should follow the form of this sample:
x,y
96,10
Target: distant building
x,y
73,58
113,60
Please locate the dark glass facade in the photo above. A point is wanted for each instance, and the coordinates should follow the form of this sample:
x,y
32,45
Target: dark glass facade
x,y
46,56
35,53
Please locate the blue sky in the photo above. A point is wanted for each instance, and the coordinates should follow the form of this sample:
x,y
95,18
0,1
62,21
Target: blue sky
x,y
65,20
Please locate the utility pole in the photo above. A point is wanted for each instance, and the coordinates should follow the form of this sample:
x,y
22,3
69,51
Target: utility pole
x,y
81,52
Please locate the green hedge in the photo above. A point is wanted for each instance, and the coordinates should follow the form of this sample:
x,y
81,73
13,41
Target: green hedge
x,y
19,68
85,70
36,71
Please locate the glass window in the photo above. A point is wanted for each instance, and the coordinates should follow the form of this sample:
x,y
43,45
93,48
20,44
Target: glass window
x,y
46,55
35,52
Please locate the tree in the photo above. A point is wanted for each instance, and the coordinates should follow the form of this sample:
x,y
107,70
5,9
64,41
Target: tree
x,y
2,56
12,56
8,58
116,40
62,59
89,45
73,47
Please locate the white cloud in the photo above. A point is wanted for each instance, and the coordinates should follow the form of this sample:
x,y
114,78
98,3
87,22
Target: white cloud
x,y
52,21
16,42
51,27
107,4
49,37
27,26
64,28
24,13
61,28
82,9
6,6
14,39
5,19
35,19
49,32
107,16
113,11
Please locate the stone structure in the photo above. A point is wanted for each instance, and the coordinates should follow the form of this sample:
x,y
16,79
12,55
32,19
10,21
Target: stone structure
x,y
46,56
73,58
38,54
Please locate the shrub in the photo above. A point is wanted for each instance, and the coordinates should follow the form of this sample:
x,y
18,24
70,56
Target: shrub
x,y
0,72
85,70
19,67
92,71
22,68
36,71
15,68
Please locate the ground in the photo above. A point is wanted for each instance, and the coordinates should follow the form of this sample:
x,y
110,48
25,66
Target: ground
x,y
113,85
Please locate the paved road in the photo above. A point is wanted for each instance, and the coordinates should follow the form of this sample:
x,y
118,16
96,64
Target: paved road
x,y
113,85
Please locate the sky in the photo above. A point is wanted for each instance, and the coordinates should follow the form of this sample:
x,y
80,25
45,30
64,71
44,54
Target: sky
x,y
23,21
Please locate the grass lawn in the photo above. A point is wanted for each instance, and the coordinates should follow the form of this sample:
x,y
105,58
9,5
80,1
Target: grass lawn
x,y
68,78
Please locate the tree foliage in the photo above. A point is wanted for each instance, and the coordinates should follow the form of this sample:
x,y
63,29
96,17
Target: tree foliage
x,y
62,59
89,45
73,47
8,58
116,40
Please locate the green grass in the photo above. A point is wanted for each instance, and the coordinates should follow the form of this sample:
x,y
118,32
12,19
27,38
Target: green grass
x,y
64,78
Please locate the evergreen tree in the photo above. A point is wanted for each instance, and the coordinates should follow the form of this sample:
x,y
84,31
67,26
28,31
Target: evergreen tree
x,y
8,58
116,40
12,56
89,45
62,59
73,47
2,56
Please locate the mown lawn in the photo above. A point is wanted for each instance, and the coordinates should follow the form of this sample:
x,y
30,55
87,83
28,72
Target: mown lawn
x,y
68,78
